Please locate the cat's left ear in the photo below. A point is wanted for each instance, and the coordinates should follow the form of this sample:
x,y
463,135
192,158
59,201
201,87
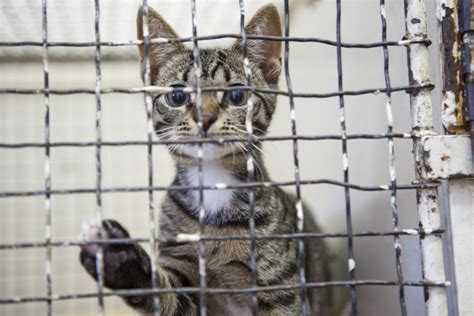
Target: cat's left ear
x,y
159,53
266,54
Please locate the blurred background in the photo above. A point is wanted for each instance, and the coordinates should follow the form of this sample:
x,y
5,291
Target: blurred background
x,y
312,69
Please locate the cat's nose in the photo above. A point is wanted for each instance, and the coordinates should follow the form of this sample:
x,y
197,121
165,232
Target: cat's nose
x,y
207,120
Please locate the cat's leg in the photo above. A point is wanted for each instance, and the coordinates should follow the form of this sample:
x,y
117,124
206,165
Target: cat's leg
x,y
127,266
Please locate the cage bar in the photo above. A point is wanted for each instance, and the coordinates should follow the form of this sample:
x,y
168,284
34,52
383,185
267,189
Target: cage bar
x,y
375,91
351,263
218,36
149,132
392,170
422,125
47,162
250,161
200,154
98,162
296,164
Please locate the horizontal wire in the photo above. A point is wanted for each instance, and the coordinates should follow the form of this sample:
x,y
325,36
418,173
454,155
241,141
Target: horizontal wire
x,y
402,43
151,89
224,186
220,140
274,288
193,238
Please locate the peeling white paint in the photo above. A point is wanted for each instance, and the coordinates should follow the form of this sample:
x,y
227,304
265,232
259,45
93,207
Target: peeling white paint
x,y
382,11
447,156
188,237
441,6
221,186
352,264
345,161
404,42
422,120
448,113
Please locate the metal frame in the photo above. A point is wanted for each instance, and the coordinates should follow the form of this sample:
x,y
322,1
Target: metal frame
x,y
422,124
430,230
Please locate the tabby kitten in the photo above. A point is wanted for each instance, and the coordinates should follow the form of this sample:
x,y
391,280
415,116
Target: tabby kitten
x,y
227,211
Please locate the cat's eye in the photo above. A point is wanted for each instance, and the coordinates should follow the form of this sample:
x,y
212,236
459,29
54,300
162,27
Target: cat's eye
x,y
177,98
237,97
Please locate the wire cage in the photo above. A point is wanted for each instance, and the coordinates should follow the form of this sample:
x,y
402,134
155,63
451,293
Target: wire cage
x,y
379,210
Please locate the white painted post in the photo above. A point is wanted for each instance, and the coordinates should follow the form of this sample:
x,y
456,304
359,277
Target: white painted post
x,y
422,125
461,207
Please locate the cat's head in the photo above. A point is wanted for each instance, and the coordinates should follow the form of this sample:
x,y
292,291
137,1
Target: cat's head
x,y
223,113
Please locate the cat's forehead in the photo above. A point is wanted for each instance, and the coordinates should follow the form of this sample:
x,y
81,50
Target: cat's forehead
x,y
218,67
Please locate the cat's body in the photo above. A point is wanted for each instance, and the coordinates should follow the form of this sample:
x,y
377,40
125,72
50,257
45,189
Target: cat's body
x,y
227,211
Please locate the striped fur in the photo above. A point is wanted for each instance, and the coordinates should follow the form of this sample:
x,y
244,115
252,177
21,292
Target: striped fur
x,y
228,261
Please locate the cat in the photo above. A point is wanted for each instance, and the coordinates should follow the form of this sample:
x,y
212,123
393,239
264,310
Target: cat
x,y
228,266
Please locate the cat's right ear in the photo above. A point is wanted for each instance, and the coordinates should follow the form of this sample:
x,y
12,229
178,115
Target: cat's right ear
x,y
159,53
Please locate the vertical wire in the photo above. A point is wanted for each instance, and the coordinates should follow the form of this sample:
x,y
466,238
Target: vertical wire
x,y
47,167
98,162
250,163
149,109
202,210
392,170
345,161
299,203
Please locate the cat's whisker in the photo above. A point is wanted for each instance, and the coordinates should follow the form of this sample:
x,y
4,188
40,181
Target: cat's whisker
x,y
165,134
166,128
244,150
232,146
245,134
253,127
253,145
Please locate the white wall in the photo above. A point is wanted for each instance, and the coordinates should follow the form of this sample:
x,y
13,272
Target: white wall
x,y
313,69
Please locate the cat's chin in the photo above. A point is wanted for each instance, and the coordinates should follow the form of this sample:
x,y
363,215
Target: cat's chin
x,y
209,151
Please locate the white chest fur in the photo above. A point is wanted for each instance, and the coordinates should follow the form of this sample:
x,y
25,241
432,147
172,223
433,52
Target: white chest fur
x,y
213,173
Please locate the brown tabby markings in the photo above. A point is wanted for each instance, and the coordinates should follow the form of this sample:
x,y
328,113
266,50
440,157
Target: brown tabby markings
x,y
227,212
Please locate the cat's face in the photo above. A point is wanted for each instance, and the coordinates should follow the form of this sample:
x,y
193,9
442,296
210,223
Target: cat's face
x,y
175,114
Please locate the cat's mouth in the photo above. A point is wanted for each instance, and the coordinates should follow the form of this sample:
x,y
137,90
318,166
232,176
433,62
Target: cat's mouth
x,y
222,143
210,151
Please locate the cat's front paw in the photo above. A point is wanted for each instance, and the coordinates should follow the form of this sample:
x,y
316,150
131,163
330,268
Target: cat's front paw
x,y
126,266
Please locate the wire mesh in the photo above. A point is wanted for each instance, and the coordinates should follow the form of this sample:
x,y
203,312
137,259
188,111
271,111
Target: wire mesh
x,y
202,289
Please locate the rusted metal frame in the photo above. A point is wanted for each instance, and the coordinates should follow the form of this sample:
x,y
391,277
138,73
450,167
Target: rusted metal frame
x,y
453,118
466,28
422,125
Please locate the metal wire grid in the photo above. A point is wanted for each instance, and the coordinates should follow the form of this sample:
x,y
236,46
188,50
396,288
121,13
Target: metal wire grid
x,y
423,187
